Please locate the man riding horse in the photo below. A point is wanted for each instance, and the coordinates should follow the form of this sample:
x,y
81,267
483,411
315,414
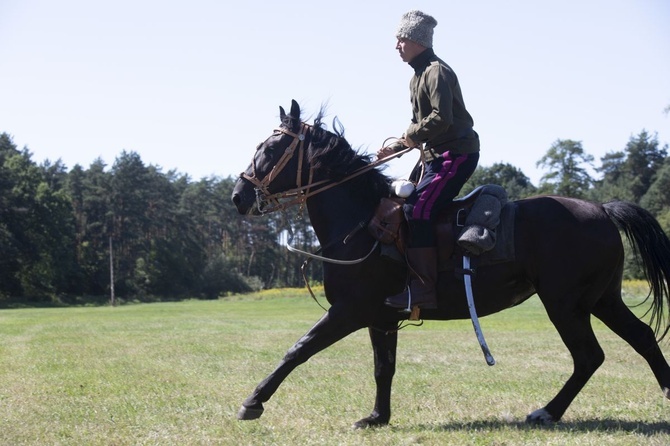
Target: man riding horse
x,y
442,128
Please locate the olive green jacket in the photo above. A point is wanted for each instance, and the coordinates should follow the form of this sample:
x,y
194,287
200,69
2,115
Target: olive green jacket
x,y
439,117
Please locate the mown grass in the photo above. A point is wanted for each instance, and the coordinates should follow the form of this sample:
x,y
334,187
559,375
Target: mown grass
x,y
176,373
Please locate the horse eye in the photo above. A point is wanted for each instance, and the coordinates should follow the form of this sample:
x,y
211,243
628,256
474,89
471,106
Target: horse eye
x,y
262,147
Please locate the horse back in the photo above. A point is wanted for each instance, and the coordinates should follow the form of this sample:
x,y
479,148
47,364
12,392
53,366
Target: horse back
x,y
566,234
542,227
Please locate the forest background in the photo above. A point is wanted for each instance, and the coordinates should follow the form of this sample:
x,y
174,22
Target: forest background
x,y
172,237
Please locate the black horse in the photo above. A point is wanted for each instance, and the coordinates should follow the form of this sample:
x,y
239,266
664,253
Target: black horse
x,y
568,251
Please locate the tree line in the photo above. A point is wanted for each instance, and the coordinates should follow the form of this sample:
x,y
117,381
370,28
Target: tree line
x,y
161,235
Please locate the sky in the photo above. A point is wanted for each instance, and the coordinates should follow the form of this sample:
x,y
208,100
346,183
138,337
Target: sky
x,y
195,86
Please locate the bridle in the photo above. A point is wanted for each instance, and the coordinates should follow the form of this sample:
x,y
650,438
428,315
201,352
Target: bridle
x,y
267,202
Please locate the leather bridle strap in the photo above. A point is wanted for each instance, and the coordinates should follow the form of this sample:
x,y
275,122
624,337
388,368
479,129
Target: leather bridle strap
x,y
262,185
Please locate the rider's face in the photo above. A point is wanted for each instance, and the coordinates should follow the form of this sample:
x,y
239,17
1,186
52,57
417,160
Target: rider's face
x,y
408,49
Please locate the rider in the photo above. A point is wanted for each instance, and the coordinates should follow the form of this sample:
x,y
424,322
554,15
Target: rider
x,y
442,128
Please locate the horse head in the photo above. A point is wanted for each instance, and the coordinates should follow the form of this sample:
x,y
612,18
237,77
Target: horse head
x,y
299,161
275,171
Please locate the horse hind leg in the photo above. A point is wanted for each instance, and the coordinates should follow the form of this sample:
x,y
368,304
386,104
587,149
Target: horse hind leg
x,y
614,313
587,355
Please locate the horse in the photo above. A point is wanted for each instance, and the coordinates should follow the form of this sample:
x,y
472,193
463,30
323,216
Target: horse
x,y
567,251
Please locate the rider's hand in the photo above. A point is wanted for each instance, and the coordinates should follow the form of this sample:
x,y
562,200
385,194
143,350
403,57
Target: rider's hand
x,y
409,142
385,152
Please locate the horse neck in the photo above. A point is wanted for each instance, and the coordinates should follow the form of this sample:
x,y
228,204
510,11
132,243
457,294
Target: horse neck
x,y
335,213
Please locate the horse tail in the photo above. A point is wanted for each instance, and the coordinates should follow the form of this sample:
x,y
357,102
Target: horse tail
x,y
652,246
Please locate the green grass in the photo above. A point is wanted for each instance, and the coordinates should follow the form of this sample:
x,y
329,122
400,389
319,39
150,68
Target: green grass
x,y
176,374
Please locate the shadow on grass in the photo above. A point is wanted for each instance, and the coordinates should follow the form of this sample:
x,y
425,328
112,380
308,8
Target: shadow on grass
x,y
595,425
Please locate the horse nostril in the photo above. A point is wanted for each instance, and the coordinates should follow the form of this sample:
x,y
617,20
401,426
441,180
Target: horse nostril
x,y
236,199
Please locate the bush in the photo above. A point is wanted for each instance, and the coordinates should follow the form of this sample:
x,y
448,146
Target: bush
x,y
220,278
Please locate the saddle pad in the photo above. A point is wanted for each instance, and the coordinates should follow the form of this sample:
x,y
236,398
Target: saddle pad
x,y
503,251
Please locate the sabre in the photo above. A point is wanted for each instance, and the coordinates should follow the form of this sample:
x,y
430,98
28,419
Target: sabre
x,y
473,313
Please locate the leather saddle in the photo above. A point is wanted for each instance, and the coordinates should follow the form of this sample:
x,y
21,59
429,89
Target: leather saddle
x,y
389,226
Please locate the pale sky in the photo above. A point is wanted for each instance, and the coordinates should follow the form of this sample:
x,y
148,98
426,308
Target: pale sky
x,y
194,86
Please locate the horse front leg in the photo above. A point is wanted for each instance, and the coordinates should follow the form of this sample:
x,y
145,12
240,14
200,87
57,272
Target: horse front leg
x,y
384,344
333,326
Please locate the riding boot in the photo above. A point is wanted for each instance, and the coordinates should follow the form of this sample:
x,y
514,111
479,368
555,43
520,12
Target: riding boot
x,y
421,289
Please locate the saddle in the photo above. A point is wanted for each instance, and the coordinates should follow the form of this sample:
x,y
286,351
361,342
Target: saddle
x,y
479,225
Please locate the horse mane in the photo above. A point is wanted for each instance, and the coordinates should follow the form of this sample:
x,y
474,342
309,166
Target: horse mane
x,y
331,155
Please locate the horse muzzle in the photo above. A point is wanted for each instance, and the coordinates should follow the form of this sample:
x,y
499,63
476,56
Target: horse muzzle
x,y
244,198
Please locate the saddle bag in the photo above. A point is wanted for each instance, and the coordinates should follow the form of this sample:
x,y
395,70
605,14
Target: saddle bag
x,y
385,224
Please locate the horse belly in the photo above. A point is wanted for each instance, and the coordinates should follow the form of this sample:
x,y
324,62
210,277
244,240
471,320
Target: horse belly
x,y
495,288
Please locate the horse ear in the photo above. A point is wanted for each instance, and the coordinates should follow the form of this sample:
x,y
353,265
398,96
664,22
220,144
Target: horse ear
x,y
295,110
292,120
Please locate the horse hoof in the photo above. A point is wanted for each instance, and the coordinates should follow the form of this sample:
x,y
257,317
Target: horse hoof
x,y
369,422
540,417
250,413
666,392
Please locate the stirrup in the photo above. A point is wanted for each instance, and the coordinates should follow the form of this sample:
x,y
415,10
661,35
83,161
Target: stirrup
x,y
415,310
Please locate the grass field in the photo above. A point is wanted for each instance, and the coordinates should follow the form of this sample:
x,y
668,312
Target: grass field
x,y
176,374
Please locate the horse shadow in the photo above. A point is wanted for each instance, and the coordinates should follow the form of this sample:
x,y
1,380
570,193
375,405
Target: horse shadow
x,y
584,426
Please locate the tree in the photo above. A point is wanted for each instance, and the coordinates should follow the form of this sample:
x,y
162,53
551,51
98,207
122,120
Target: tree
x,y
94,224
175,259
628,174
36,234
657,197
644,158
509,177
613,183
664,220
9,221
128,205
567,175
56,217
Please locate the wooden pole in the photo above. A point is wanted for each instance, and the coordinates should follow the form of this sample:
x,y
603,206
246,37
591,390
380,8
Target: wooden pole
x,y
111,273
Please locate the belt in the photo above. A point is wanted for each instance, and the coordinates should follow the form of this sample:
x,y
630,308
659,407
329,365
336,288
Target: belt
x,y
431,154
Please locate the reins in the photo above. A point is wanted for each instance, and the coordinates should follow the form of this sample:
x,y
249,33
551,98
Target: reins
x,y
300,194
315,256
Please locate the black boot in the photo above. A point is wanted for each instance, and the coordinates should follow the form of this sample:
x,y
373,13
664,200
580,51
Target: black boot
x,y
421,289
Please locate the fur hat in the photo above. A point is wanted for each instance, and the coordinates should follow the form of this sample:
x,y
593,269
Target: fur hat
x,y
417,27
